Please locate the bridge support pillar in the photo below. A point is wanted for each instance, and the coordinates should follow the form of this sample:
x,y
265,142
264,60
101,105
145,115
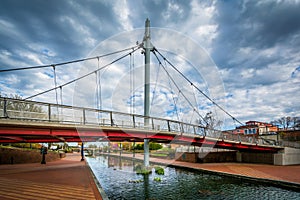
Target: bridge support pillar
x,y
121,149
239,157
147,48
133,150
287,156
146,152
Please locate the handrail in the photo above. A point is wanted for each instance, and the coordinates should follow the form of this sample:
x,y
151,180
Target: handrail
x,y
6,100
86,116
96,110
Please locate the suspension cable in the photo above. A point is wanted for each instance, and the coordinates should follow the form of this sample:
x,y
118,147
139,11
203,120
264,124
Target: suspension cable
x,y
61,95
174,82
69,62
99,82
130,84
55,83
192,116
173,98
197,105
133,84
194,94
199,90
97,90
61,100
88,74
154,90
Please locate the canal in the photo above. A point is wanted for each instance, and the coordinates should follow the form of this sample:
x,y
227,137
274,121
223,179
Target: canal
x,y
118,179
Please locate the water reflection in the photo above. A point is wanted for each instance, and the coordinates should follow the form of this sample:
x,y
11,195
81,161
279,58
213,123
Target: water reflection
x,y
146,186
118,178
118,162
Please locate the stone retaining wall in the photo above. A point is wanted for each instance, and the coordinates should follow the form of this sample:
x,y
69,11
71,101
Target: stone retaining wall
x,y
288,156
211,157
18,156
255,157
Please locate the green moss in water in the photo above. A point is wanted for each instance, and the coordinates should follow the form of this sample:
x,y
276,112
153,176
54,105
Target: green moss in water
x,y
144,171
157,179
159,170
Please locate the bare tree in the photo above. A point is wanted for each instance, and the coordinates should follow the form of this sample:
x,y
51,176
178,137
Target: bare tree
x,y
296,123
210,121
287,122
21,105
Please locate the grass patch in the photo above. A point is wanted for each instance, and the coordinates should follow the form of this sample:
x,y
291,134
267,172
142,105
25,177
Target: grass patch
x,y
159,154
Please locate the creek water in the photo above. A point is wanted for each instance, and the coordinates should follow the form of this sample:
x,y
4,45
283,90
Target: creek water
x,y
118,179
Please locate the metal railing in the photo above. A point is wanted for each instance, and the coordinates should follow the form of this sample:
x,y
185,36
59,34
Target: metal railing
x,y
39,111
47,112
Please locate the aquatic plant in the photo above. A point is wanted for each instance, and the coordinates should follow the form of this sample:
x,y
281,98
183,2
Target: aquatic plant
x,y
157,179
135,181
144,171
140,169
159,170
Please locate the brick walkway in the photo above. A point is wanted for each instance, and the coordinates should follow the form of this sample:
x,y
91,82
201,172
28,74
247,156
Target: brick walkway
x,y
289,174
71,179
64,179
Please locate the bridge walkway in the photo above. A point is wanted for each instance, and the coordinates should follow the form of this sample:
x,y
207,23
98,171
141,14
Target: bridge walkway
x,y
64,179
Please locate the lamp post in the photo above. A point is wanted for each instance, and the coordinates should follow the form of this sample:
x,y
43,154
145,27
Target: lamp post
x,y
82,153
44,151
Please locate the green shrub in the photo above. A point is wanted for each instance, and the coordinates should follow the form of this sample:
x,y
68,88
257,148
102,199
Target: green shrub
x,y
152,146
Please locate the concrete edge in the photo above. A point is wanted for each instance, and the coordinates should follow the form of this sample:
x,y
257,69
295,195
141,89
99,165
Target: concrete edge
x,y
99,187
272,182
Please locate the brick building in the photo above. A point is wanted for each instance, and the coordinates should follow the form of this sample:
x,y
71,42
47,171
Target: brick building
x,y
255,128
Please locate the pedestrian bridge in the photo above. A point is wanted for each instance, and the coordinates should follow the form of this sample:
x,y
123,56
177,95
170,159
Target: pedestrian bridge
x,y
24,121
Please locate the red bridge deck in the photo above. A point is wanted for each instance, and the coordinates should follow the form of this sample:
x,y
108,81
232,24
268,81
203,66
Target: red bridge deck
x,y
39,132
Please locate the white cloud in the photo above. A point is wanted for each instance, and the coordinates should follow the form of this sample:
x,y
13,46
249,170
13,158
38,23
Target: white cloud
x,y
172,9
264,102
121,9
7,28
81,29
33,57
259,64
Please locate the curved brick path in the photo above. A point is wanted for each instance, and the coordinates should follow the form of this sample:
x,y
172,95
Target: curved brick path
x,y
289,174
71,179
64,179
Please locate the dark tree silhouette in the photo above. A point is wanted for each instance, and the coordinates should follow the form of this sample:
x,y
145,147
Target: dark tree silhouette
x,y
287,122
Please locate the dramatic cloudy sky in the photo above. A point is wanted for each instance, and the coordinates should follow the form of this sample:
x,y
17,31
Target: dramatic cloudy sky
x,y
255,46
